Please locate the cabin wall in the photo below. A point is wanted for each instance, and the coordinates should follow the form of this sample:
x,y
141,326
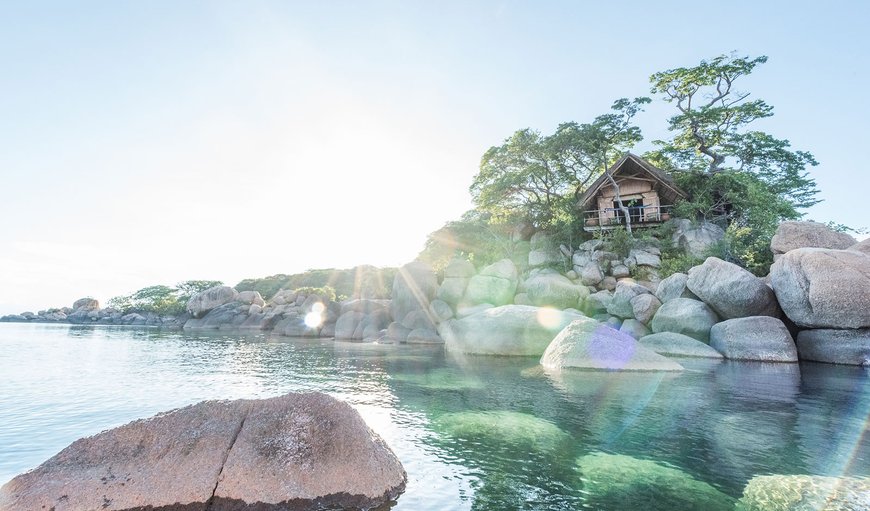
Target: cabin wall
x,y
629,189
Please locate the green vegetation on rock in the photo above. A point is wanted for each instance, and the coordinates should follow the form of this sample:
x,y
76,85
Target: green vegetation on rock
x,y
357,282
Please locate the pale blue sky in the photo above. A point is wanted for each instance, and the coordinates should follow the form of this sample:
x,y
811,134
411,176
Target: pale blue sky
x,y
155,141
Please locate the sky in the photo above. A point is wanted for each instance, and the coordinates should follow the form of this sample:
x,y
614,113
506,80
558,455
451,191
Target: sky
x,y
152,142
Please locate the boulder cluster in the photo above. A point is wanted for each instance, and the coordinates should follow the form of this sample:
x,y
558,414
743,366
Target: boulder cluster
x,y
87,311
814,305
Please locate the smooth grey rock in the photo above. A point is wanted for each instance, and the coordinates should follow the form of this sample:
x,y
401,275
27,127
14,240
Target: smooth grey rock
x,y
452,289
698,239
587,344
459,268
863,247
625,291
731,291
674,286
469,310
634,328
760,338
620,271
645,306
609,283
850,347
414,286
678,345
554,290
597,303
365,305
423,336
519,330
203,302
591,245
792,235
251,298
823,288
85,304
644,258
496,284
439,310
347,324
397,332
418,319
220,455
685,316
546,257
591,275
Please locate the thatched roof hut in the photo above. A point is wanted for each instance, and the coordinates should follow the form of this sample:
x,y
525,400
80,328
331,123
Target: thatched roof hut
x,y
647,191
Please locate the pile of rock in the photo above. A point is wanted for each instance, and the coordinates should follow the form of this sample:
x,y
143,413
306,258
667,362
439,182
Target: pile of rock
x,y
87,311
822,282
291,313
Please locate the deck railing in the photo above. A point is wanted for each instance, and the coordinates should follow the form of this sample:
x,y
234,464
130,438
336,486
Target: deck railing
x,y
613,217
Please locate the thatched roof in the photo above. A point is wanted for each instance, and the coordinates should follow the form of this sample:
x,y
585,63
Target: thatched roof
x,y
631,164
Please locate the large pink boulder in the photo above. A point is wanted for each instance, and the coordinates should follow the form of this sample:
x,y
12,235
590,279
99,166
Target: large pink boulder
x,y
299,451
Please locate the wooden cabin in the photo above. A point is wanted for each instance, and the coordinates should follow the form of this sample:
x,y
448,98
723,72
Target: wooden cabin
x,y
646,191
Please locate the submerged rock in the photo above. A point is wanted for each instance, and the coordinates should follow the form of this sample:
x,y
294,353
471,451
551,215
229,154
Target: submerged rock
x,y
617,481
588,344
506,428
805,493
299,451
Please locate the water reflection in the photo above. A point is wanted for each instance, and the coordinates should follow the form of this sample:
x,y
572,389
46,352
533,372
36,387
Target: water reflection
x,y
473,432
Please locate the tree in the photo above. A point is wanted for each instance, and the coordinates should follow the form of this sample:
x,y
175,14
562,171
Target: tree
x,y
160,299
711,132
188,288
537,179
743,179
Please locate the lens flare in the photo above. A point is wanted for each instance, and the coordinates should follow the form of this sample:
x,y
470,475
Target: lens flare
x,y
313,319
549,317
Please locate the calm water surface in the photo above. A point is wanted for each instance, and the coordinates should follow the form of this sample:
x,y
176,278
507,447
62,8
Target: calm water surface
x,y
472,432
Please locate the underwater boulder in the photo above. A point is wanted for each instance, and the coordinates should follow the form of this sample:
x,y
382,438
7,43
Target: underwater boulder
x,y
616,481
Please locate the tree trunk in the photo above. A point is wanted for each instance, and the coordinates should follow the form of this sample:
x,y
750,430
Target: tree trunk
x,y
622,207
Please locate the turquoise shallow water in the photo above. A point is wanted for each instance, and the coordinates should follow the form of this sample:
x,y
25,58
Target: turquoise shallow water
x,y
484,433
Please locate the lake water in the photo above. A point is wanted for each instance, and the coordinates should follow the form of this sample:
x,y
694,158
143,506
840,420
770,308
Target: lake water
x,y
483,433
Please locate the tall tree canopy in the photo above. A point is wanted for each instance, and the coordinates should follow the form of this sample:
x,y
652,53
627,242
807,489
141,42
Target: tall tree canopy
x,y
537,178
712,132
744,179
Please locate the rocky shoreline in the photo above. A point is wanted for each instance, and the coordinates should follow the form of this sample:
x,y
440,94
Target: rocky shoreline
x,y
814,305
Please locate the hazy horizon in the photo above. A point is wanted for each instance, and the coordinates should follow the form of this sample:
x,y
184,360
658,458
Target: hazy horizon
x,y
155,142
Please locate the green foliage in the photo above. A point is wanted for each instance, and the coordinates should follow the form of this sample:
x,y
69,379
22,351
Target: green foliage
x,y
160,299
474,237
617,240
711,133
367,281
742,179
325,292
537,179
